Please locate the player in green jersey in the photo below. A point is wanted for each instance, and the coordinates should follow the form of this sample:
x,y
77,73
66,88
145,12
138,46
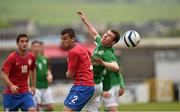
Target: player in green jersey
x,y
43,96
113,87
103,58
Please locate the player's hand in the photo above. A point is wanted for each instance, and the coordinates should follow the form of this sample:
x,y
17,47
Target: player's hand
x,y
50,79
14,89
33,90
121,92
97,60
106,94
70,75
82,15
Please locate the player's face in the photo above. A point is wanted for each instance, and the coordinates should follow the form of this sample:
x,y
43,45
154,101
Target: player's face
x,y
41,48
108,38
67,41
23,44
35,48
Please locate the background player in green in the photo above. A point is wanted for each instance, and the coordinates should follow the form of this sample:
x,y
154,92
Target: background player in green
x,y
113,87
43,96
103,57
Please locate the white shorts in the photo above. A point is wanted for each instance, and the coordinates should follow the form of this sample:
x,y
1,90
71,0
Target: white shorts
x,y
43,96
113,100
96,100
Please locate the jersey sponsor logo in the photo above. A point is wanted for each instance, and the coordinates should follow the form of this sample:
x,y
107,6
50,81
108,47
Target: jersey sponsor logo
x,y
44,61
100,52
40,66
104,72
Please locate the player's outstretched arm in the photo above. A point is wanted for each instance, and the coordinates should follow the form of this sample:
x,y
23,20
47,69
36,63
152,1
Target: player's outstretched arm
x,y
88,25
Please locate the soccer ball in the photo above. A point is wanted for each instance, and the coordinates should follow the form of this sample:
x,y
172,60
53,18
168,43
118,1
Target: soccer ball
x,y
131,38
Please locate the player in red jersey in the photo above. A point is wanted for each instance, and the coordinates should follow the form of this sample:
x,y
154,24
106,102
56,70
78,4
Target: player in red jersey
x,y
80,70
15,73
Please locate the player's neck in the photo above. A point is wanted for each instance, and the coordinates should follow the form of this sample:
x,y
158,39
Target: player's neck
x,y
106,45
21,52
73,45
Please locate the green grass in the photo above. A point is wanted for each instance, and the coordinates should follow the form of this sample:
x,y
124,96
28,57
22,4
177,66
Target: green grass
x,y
63,11
141,107
138,107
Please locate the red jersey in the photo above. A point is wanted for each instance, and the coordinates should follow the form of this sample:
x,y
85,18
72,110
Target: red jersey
x,y
79,62
18,68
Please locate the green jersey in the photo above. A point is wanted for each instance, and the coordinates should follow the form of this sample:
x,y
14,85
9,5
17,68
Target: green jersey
x,y
106,54
41,71
111,79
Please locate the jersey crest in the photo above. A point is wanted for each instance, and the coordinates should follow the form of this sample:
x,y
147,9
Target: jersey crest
x,y
29,61
100,52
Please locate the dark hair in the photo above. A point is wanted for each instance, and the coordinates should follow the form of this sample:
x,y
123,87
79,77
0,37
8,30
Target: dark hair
x,y
41,42
117,35
21,36
68,31
35,42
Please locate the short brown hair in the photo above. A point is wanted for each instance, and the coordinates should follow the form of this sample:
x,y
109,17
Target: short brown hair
x,y
117,35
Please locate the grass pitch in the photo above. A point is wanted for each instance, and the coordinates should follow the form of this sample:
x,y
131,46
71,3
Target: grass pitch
x,y
174,106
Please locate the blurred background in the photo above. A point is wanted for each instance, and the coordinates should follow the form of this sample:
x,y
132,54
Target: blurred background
x,y
151,71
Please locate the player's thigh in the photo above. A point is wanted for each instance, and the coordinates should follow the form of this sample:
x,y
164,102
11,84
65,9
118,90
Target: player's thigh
x,y
112,101
95,102
10,103
28,102
37,96
78,97
47,97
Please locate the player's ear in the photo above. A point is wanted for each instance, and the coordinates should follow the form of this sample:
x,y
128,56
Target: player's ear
x,y
113,42
73,39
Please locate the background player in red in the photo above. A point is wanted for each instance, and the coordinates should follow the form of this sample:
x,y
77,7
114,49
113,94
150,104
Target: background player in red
x,y
80,70
15,73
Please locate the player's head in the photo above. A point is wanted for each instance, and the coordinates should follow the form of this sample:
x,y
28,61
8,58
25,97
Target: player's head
x,y
41,47
35,46
110,38
22,41
67,38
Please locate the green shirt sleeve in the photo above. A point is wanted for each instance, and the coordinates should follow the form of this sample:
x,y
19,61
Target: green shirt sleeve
x,y
98,39
121,82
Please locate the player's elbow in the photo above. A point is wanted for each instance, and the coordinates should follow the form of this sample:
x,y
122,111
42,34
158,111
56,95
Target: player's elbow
x,y
116,69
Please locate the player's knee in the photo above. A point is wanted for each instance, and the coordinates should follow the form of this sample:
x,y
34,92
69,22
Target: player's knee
x,y
50,107
113,109
66,109
32,109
